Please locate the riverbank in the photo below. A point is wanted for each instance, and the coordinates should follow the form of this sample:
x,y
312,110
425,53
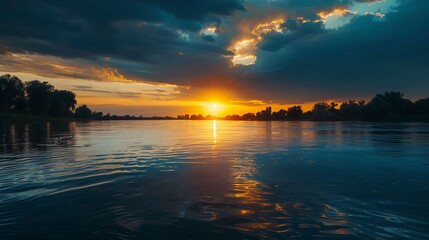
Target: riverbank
x,y
28,118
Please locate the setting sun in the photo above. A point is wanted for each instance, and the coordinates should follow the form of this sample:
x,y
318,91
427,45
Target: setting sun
x,y
214,108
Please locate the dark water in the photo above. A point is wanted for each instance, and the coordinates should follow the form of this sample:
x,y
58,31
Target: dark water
x,y
214,180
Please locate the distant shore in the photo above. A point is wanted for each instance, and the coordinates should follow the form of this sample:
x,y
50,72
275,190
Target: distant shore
x,y
28,118
22,117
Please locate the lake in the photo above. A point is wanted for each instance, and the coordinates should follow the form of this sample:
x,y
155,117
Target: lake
x,y
214,180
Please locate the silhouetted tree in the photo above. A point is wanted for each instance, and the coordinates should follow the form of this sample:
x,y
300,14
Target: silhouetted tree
x,y
422,106
39,97
294,113
98,115
83,112
388,106
333,108
11,93
280,115
320,110
325,112
63,102
264,114
248,116
351,110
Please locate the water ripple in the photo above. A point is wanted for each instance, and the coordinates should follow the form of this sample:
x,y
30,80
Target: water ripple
x,y
191,180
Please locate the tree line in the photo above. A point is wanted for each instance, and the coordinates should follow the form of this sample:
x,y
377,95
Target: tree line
x,y
35,97
39,98
42,99
390,106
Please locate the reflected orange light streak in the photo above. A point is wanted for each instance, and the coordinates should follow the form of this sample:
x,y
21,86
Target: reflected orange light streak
x,y
253,197
214,131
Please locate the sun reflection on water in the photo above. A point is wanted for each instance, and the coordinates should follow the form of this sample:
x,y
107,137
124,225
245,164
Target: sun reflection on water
x,y
214,131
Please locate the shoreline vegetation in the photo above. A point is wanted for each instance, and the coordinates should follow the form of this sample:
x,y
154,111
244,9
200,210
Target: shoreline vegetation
x,y
40,101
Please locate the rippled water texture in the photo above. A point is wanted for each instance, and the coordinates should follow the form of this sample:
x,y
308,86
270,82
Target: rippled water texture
x,y
214,180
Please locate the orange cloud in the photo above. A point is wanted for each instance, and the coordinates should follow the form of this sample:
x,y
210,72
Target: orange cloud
x,y
335,12
54,67
109,74
245,49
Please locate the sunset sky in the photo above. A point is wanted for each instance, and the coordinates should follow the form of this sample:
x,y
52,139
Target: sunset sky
x,y
148,57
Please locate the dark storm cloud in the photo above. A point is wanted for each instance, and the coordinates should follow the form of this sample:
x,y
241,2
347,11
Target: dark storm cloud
x,y
367,1
309,63
129,29
295,29
197,10
208,38
160,41
309,8
366,56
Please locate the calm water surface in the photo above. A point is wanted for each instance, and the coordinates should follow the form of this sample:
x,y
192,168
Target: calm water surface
x,y
214,180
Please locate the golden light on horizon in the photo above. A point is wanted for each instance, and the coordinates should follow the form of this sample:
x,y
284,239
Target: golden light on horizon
x,y
136,98
214,108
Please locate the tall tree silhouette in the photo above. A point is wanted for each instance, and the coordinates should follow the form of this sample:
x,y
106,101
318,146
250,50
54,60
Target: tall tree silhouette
x,y
351,110
422,106
83,112
294,113
63,102
320,111
39,96
11,94
388,106
280,115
